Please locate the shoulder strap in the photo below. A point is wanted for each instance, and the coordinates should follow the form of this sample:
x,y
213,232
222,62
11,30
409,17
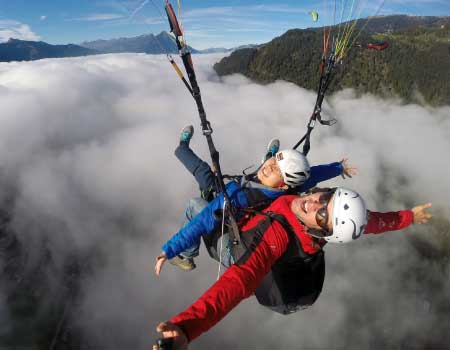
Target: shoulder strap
x,y
294,246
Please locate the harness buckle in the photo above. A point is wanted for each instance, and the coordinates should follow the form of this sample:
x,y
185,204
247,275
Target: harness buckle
x,y
208,130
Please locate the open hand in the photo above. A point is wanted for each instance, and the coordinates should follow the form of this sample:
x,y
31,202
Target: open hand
x,y
348,170
160,260
171,330
420,215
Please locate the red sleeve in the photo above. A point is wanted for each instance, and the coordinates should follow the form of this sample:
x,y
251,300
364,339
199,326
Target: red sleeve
x,y
390,221
237,283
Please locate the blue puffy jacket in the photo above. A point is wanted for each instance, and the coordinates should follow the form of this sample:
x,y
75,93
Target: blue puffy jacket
x,y
205,222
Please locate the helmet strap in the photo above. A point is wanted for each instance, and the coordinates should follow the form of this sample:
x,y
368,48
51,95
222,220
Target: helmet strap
x,y
318,233
313,231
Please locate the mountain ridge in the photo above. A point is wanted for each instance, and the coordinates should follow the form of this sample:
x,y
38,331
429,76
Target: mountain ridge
x,y
22,50
145,43
415,67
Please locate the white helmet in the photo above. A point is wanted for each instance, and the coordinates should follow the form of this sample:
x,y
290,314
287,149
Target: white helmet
x,y
293,166
349,216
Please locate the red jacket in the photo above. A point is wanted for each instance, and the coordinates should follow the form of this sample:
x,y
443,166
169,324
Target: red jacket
x,y
241,281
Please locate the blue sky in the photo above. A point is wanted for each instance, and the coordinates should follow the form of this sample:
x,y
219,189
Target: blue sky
x,y
213,23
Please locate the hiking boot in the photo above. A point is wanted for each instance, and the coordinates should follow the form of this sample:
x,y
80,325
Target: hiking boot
x,y
185,264
187,133
272,149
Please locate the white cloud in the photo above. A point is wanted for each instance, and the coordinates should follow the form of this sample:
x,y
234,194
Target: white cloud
x,y
243,11
17,30
209,11
139,8
92,170
99,17
280,8
419,2
154,20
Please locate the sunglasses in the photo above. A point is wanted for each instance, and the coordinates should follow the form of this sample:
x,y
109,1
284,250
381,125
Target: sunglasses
x,y
322,215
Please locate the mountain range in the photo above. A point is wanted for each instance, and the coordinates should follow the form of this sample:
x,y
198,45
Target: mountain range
x,y
149,43
163,43
20,50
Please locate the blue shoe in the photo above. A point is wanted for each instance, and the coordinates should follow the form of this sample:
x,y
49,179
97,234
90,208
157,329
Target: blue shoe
x,y
273,146
272,149
187,133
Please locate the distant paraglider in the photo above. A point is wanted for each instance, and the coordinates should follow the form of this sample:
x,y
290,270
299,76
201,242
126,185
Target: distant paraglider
x,y
314,15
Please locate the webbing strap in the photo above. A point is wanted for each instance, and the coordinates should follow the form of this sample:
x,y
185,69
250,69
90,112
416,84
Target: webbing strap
x,y
294,247
297,246
206,125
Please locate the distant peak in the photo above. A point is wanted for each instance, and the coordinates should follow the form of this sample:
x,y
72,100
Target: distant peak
x,y
163,33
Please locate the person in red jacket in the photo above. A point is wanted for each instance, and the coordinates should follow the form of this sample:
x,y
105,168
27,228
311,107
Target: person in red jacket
x,y
326,215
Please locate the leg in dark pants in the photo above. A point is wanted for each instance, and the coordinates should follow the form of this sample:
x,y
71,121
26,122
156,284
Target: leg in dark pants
x,y
197,167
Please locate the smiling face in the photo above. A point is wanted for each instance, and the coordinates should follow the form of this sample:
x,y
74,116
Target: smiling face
x,y
314,209
270,175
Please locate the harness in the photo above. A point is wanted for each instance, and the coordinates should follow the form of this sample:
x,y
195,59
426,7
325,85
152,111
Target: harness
x,y
294,282
257,201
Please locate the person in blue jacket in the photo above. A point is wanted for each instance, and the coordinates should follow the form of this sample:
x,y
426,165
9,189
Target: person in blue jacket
x,y
282,172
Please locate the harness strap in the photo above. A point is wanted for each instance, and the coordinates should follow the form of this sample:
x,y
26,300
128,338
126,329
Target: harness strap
x,y
206,125
292,248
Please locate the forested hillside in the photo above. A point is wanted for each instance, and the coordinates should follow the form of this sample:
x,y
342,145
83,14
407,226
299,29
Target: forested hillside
x,y
415,67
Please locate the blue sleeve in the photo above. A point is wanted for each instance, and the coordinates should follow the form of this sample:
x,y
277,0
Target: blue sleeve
x,y
204,223
321,173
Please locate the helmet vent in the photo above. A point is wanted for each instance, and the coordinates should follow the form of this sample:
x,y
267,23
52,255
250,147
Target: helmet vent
x,y
346,207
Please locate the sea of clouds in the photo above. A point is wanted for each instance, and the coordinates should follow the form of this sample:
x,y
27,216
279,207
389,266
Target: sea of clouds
x,y
86,149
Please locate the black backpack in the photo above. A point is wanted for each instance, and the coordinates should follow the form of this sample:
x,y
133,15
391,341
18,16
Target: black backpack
x,y
295,280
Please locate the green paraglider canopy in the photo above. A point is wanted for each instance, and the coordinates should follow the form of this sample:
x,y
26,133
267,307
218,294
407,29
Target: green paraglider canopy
x,y
314,15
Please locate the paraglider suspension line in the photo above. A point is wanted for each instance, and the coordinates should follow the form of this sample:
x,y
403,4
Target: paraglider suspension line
x,y
324,82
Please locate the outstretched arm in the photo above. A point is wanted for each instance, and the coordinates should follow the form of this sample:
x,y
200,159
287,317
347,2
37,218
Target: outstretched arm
x,y
392,221
202,224
326,172
237,283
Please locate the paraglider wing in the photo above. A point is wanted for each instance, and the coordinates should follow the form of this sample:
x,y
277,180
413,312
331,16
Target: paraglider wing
x,y
314,15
